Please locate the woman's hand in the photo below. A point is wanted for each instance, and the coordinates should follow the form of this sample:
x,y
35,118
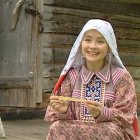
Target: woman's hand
x,y
58,105
94,107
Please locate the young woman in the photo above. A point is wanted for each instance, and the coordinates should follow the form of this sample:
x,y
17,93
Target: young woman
x,y
103,104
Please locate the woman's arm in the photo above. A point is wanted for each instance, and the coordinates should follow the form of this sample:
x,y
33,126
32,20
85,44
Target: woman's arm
x,y
125,105
52,115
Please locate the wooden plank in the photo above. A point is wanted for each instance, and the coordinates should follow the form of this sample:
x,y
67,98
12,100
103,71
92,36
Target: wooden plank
x,y
37,56
15,78
7,82
137,84
127,33
59,13
10,97
57,40
134,71
47,55
48,84
18,97
113,1
63,27
51,55
52,70
138,103
74,28
130,59
64,20
15,84
61,55
15,57
125,45
125,21
115,7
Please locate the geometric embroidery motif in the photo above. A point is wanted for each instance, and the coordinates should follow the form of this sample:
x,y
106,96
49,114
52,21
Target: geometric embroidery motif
x,y
94,91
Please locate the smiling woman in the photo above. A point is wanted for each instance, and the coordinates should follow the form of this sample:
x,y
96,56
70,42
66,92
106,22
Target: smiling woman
x,y
106,109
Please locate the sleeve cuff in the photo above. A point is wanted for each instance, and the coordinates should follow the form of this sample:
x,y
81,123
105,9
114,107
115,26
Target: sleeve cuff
x,y
105,115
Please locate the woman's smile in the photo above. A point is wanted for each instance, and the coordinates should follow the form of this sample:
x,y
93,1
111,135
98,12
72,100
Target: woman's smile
x,y
93,53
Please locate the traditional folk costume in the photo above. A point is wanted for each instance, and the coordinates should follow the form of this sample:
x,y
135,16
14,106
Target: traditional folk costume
x,y
112,86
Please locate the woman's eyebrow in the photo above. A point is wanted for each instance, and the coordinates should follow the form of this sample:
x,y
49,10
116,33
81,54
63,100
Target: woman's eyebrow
x,y
101,37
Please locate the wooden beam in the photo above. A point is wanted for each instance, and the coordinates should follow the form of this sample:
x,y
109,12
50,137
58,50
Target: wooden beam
x,y
15,84
127,7
15,78
130,59
135,72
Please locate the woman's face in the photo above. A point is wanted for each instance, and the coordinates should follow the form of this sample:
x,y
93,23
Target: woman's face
x,y
94,47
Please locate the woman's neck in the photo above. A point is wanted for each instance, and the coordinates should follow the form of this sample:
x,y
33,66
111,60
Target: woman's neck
x,y
94,67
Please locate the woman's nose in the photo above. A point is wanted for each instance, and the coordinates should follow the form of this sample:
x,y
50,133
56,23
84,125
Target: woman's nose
x,y
93,45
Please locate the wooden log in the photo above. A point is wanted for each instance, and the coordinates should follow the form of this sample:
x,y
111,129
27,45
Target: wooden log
x,y
71,27
66,40
130,59
48,55
57,40
52,70
138,100
15,82
48,84
125,21
61,55
57,55
56,17
128,45
16,78
127,33
137,85
135,72
63,27
110,6
67,14
17,97
111,1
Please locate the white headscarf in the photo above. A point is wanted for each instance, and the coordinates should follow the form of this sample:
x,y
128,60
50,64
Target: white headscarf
x,y
105,28
75,57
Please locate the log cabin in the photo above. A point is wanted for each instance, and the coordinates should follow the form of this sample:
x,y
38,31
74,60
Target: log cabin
x,y
36,37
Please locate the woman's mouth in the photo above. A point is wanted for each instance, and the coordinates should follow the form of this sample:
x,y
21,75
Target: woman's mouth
x,y
93,53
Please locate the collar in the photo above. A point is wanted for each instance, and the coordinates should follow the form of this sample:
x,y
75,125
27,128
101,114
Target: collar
x,y
103,74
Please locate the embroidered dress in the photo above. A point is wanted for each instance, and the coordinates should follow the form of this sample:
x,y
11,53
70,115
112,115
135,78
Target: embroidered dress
x,y
94,91
108,87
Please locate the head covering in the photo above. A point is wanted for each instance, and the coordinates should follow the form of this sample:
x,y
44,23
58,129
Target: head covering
x,y
75,56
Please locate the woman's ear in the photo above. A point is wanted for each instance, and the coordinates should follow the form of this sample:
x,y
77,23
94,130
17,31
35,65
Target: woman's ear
x,y
109,50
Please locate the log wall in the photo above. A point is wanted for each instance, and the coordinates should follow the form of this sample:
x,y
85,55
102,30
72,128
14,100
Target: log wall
x,y
63,20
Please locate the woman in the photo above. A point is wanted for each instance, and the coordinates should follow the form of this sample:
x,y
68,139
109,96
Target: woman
x,y
95,74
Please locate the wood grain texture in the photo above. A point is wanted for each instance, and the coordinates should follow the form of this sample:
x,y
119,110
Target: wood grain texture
x,y
110,6
63,20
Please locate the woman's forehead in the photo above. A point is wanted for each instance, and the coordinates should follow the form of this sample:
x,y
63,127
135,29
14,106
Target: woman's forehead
x,y
93,32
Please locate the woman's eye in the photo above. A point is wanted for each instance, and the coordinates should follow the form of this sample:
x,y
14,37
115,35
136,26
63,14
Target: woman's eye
x,y
100,41
87,40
